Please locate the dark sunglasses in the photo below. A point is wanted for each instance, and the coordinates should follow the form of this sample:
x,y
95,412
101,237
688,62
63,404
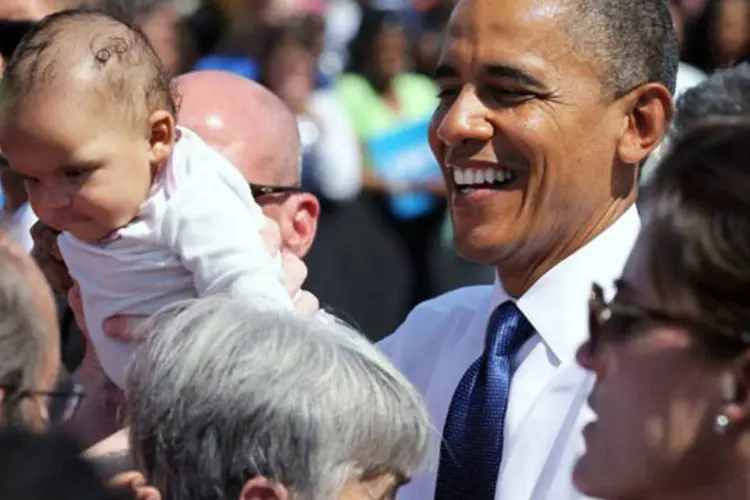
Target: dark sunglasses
x,y
617,319
258,190
62,403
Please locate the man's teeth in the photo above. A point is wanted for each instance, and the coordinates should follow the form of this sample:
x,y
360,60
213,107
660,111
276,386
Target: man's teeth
x,y
474,176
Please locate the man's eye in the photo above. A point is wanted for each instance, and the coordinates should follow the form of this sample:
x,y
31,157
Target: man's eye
x,y
503,94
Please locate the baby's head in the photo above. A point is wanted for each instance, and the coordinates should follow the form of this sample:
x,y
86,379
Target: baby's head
x,y
88,120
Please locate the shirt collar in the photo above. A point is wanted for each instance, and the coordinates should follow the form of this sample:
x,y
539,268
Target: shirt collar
x,y
556,304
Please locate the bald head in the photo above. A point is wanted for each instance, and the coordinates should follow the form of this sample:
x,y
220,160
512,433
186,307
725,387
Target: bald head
x,y
243,120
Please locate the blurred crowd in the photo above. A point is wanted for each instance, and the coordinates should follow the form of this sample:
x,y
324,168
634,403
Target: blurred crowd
x,y
227,401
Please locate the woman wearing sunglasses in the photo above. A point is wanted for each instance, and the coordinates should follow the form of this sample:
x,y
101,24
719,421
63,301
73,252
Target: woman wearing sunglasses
x,y
671,351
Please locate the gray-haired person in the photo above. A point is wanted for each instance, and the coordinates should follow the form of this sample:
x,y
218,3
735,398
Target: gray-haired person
x,y
33,393
230,403
724,93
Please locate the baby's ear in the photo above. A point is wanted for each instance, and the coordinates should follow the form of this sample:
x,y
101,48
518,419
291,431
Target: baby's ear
x,y
162,136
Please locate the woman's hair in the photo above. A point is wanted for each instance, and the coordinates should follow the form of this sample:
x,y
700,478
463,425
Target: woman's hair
x,y
361,47
697,212
301,32
220,393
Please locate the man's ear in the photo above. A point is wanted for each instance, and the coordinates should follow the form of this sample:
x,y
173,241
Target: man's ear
x,y
648,113
305,224
260,488
162,136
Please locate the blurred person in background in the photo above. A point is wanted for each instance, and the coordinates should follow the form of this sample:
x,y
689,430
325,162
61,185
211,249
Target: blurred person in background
x,y
237,49
385,101
16,17
331,158
430,37
33,391
298,408
671,350
725,93
721,35
688,75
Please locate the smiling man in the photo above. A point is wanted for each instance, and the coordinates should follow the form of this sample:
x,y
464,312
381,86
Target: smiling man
x,y
548,108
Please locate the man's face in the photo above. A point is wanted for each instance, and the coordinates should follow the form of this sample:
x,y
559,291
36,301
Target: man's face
x,y
523,133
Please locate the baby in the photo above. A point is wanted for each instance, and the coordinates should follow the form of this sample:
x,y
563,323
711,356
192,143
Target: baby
x,y
148,213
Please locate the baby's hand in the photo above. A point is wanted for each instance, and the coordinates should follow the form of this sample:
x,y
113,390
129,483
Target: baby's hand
x,y
48,258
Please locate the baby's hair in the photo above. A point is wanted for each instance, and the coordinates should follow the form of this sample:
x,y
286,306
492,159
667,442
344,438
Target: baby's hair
x,y
125,65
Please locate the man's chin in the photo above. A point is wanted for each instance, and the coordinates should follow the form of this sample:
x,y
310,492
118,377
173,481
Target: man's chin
x,y
475,249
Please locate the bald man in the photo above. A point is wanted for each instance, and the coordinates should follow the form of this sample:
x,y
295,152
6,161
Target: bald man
x,y
257,132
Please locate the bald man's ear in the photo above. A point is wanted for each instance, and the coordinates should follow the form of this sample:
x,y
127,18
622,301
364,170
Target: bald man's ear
x,y
162,136
305,224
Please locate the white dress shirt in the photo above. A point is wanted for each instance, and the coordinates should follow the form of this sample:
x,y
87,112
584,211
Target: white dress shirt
x,y
547,407
197,234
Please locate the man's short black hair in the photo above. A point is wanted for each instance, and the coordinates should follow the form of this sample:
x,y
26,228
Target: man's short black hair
x,y
127,67
632,41
725,93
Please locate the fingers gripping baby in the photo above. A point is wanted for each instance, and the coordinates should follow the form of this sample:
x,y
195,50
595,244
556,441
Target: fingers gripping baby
x,y
148,213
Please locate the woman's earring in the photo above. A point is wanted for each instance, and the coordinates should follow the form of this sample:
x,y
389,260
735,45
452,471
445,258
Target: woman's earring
x,y
721,424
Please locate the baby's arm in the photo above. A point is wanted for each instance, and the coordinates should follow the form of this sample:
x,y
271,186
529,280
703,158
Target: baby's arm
x,y
214,226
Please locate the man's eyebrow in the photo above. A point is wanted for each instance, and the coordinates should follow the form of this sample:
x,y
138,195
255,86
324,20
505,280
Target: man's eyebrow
x,y
505,71
497,70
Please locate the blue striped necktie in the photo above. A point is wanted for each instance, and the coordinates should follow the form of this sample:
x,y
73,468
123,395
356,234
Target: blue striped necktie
x,y
472,446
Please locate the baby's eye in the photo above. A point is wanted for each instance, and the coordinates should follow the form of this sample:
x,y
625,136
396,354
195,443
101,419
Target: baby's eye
x,y
28,180
75,173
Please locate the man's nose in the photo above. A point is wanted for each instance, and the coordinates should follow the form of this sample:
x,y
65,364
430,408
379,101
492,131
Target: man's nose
x,y
465,120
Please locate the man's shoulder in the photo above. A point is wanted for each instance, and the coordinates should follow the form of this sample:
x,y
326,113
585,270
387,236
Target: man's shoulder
x,y
431,320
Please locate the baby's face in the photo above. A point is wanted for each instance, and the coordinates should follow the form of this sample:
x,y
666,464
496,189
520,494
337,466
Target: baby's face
x,y
87,169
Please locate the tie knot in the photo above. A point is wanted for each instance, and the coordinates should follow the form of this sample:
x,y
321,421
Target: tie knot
x,y
508,329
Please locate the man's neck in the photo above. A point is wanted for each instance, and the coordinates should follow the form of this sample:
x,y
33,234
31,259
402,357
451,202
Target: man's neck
x,y
519,274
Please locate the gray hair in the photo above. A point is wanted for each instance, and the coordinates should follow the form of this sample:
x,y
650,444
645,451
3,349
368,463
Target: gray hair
x,y
220,393
23,330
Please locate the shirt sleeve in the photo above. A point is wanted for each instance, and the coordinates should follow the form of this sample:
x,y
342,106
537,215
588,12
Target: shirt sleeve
x,y
213,225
